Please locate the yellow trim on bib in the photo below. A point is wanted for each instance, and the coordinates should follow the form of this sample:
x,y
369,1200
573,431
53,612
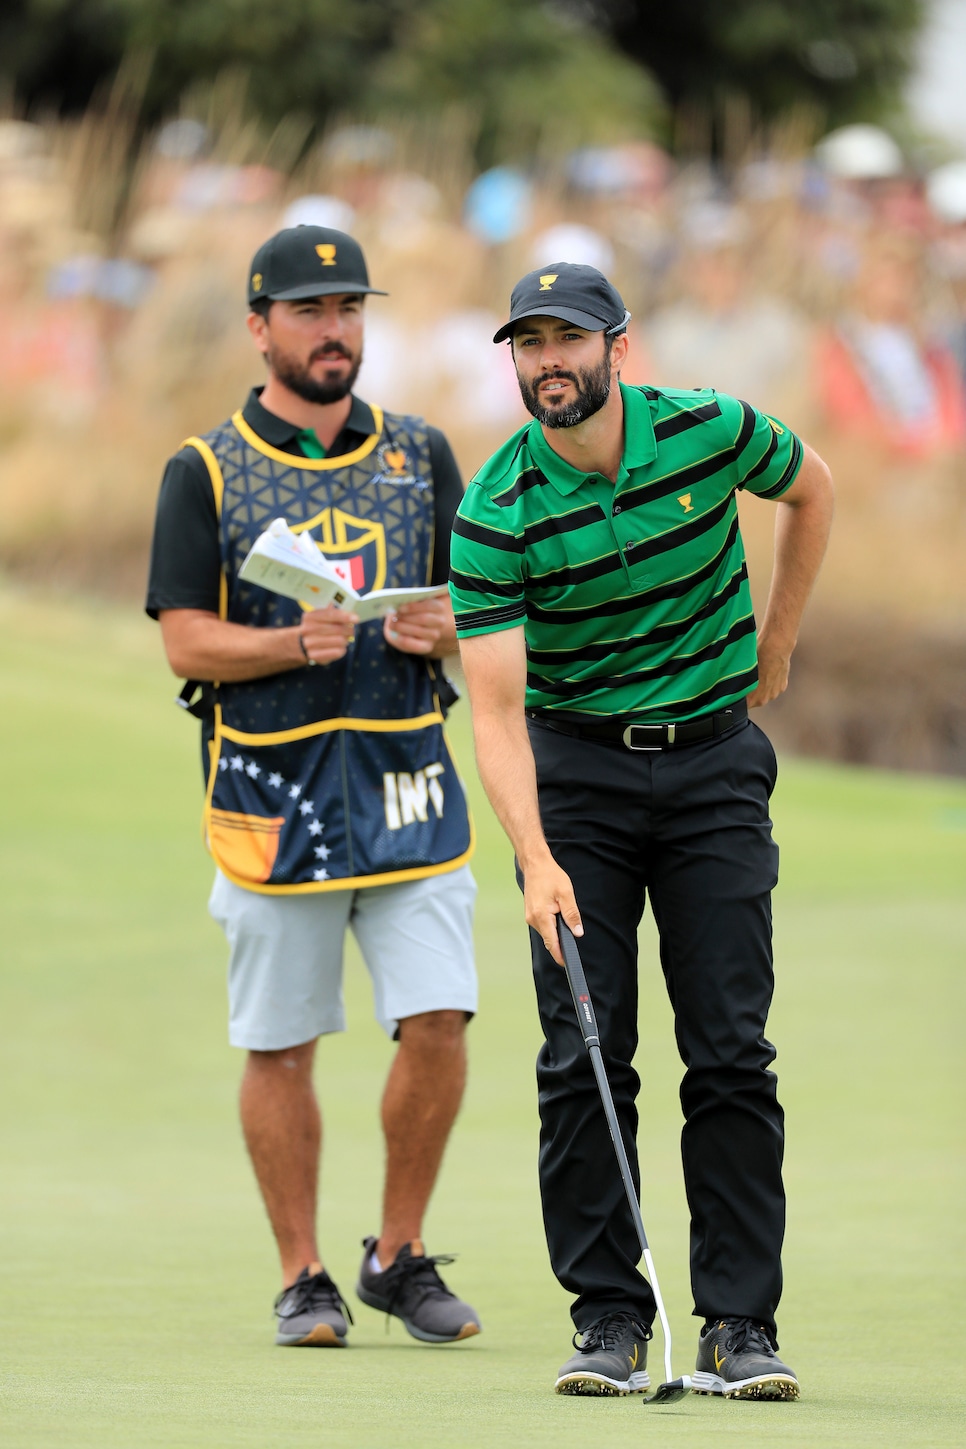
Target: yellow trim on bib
x,y
314,464
213,466
308,732
218,489
356,882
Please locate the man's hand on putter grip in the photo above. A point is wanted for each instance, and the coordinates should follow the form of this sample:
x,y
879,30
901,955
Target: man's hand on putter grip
x,y
547,893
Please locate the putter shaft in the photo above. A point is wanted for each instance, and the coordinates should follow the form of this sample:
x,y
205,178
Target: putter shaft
x,y
584,1007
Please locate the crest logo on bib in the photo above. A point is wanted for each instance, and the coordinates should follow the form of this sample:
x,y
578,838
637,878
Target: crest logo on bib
x,y
395,466
358,544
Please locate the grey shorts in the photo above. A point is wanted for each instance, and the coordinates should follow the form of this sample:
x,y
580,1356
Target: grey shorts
x,y
285,963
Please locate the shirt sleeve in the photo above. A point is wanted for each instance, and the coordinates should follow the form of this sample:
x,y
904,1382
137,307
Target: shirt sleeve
x,y
185,566
768,454
447,496
486,573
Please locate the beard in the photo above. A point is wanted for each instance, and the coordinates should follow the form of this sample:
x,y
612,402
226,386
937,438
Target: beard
x,y
593,390
298,378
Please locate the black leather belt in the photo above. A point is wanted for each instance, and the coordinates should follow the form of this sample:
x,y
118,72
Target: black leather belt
x,y
639,737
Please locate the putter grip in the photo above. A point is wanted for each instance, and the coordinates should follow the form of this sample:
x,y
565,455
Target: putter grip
x,y
577,981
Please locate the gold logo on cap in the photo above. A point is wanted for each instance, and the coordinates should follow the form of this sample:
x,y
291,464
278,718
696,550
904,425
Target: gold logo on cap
x,y
547,281
257,282
326,251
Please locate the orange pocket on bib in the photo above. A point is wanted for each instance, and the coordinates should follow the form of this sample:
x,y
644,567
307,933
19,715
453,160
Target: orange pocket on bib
x,y
244,845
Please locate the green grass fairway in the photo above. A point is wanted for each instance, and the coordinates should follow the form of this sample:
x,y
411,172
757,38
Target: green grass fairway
x,y
137,1268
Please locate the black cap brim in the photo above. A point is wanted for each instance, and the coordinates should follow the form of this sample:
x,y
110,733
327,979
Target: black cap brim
x,y
321,289
563,314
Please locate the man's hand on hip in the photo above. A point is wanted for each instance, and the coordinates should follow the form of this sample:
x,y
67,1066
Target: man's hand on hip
x,y
774,663
802,525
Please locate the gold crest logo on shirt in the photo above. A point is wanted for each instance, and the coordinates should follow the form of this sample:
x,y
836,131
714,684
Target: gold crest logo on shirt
x,y
685,502
547,281
395,460
326,251
776,427
257,282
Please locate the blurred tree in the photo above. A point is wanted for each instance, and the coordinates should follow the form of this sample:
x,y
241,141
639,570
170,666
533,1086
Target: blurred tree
x,y
561,69
536,74
846,58
519,64
310,55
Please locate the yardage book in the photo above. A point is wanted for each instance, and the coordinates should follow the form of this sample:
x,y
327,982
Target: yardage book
x,y
292,564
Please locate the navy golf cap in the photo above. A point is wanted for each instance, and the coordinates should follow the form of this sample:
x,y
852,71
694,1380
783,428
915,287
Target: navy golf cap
x,y
308,261
572,292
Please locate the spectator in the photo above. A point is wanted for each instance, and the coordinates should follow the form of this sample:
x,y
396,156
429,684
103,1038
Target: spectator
x,y
721,333
881,375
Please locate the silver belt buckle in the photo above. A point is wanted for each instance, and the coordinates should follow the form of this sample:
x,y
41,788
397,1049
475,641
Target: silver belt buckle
x,y
667,734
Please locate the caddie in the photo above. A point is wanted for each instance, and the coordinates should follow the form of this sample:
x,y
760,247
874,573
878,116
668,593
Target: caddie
x,y
332,800
609,645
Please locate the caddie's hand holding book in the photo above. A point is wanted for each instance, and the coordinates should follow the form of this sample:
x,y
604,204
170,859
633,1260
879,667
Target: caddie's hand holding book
x,y
292,564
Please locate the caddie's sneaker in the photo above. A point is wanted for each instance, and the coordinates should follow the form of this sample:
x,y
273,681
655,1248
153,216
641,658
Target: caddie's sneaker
x,y
611,1358
411,1289
736,1359
312,1313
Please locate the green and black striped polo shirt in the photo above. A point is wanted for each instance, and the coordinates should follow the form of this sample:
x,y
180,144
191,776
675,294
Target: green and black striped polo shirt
x,y
634,596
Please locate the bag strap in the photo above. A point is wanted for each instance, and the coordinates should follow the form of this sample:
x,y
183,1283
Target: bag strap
x,y
202,707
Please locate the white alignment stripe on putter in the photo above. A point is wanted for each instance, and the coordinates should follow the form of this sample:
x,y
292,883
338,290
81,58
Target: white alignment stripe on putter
x,y
659,1300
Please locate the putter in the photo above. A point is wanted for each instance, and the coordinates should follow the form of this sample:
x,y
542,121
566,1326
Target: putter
x,y
672,1389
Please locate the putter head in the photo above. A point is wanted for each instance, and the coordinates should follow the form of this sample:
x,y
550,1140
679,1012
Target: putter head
x,y
669,1393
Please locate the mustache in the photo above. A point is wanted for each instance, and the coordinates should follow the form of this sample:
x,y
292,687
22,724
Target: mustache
x,y
331,349
557,374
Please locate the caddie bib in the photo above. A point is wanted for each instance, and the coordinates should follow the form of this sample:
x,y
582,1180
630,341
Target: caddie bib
x,y
338,776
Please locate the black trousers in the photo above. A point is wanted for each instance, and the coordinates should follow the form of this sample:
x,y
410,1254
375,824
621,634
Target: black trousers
x,y
691,828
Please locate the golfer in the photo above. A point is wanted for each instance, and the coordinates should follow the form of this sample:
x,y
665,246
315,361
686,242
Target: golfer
x,y
609,645
332,800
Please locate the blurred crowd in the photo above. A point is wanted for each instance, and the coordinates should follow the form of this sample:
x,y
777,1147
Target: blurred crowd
x,y
828,287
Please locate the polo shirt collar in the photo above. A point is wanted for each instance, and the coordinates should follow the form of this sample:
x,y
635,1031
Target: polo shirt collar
x,y
275,430
640,446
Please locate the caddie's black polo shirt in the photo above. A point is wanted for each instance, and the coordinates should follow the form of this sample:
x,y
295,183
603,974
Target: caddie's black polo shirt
x,y
185,552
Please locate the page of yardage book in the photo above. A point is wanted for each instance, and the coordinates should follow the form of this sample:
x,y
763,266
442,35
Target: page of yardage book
x,y
292,564
384,601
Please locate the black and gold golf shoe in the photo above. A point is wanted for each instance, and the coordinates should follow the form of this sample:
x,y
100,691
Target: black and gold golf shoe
x,y
611,1358
737,1360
